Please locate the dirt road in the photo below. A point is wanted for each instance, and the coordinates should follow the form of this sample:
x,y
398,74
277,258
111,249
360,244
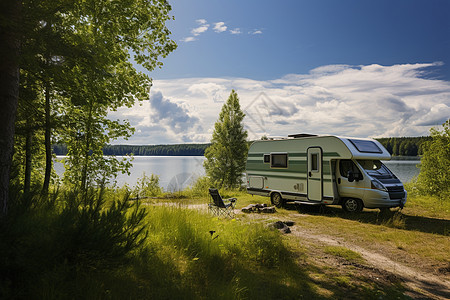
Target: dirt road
x,y
419,283
380,265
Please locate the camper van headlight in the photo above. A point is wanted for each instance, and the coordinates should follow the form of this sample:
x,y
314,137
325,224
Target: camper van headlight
x,y
376,185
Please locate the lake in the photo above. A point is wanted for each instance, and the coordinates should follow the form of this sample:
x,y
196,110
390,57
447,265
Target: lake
x,y
177,172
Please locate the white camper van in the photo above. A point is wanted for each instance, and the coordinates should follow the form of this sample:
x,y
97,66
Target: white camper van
x,y
311,169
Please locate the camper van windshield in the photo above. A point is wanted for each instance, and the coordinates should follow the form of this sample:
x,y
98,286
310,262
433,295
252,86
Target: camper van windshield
x,y
375,168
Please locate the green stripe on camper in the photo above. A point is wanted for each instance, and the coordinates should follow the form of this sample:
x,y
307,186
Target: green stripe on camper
x,y
292,154
327,154
286,176
297,154
278,175
257,154
293,167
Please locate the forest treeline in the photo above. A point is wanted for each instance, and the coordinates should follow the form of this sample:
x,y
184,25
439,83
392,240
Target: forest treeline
x,y
397,146
146,150
404,146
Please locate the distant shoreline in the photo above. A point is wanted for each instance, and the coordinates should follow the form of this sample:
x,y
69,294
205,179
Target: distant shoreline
x,y
402,148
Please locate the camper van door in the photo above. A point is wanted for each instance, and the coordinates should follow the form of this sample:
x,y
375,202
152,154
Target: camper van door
x,y
314,174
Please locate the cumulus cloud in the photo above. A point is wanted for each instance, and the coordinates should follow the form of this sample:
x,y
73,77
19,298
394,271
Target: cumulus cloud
x,y
360,101
200,29
220,27
171,114
235,31
436,115
203,27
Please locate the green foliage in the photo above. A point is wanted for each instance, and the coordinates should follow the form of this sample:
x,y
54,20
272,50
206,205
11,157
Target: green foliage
x,y
46,247
75,68
147,186
434,176
404,146
149,150
200,188
225,158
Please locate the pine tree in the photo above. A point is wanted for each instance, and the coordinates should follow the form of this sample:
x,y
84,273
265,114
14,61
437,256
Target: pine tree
x,y
226,157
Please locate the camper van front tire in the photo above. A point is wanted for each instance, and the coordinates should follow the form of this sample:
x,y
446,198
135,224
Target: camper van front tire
x,y
276,199
352,205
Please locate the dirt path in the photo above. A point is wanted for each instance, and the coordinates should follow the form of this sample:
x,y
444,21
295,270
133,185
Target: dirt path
x,y
419,283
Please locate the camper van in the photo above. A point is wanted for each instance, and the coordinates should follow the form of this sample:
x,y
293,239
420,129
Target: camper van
x,y
323,170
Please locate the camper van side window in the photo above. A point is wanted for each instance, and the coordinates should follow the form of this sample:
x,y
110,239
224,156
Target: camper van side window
x,y
278,160
346,165
266,158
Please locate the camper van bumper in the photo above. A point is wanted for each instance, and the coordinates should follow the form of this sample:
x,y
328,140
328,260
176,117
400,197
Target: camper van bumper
x,y
380,199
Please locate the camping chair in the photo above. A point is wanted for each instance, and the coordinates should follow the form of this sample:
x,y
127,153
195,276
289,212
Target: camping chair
x,y
220,207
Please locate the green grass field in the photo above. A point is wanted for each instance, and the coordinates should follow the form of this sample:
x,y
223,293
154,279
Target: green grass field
x,y
190,254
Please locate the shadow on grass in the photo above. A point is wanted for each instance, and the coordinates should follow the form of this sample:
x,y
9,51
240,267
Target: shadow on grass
x,y
412,223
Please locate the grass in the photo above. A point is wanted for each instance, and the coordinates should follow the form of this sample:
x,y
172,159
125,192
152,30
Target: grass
x,y
189,254
347,254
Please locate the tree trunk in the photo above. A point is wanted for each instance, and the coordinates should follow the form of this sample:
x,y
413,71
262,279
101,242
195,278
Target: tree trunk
x,y
48,143
10,13
84,179
28,158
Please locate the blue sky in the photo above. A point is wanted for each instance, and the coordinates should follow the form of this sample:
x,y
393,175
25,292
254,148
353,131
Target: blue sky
x,y
348,67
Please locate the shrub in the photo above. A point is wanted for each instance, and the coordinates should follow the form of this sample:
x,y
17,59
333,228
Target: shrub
x,y
200,187
434,176
48,247
147,186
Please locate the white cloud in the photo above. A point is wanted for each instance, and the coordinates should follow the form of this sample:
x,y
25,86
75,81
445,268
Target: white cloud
x,y
361,101
200,29
256,31
188,39
235,31
220,27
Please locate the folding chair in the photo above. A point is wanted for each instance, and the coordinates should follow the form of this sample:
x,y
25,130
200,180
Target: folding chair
x,y
220,207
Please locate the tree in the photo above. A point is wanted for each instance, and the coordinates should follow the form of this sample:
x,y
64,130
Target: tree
x,y
226,157
78,53
10,18
434,176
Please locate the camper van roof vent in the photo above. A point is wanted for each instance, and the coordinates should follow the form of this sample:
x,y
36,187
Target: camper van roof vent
x,y
301,135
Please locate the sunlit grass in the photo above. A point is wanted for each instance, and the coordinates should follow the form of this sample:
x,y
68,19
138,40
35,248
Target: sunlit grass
x,y
344,253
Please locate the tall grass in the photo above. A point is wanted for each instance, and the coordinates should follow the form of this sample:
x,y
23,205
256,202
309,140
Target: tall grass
x,y
217,258
48,248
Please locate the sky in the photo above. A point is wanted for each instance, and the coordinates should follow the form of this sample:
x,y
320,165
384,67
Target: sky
x,y
355,68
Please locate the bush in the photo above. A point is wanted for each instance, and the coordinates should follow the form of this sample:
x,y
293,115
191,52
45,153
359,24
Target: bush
x,y
200,187
49,247
434,176
147,186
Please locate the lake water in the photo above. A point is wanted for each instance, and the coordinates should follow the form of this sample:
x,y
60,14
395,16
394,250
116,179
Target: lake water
x,y
178,172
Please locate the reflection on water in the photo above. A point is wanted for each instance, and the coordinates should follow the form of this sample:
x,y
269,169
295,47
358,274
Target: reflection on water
x,y
175,172
178,172
405,170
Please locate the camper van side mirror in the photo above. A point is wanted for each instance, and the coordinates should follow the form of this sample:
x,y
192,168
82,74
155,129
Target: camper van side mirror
x,y
350,176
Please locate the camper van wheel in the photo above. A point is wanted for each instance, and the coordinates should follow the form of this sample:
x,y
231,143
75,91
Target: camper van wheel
x,y
352,205
277,200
